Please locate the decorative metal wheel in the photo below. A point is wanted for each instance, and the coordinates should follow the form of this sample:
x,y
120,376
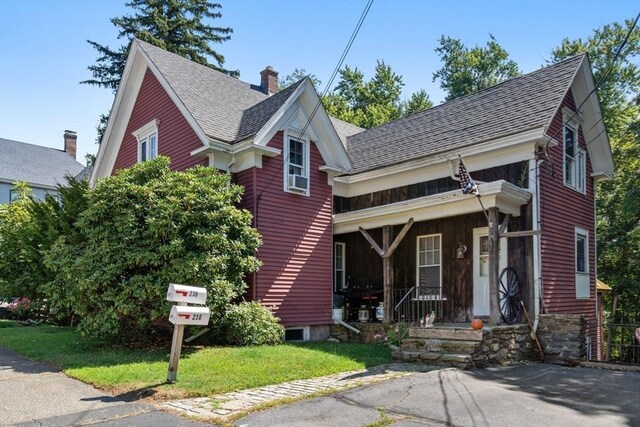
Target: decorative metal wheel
x,y
509,293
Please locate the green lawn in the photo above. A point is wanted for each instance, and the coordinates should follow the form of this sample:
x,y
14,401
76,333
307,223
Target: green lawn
x,y
202,372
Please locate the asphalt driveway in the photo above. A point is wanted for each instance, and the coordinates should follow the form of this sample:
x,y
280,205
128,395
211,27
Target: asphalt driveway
x,y
522,395
33,394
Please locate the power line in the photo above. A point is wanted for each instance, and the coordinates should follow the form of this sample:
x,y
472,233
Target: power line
x,y
602,79
336,70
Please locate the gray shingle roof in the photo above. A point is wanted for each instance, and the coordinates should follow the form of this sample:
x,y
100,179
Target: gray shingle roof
x,y
513,106
35,164
226,108
344,129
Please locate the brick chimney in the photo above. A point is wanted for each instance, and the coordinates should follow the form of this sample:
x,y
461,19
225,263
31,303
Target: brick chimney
x,y
269,81
70,143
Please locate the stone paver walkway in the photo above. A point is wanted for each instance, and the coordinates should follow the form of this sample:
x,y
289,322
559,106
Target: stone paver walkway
x,y
229,404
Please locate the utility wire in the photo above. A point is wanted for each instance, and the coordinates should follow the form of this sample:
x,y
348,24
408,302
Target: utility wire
x,y
602,79
336,70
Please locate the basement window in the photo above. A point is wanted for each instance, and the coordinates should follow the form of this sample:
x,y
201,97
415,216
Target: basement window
x,y
297,334
147,137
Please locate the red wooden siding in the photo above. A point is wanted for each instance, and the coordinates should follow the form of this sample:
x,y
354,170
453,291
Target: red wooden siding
x,y
176,138
562,210
245,178
296,275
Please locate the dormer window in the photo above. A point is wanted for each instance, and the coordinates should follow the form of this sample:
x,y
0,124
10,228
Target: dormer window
x,y
574,159
297,167
147,137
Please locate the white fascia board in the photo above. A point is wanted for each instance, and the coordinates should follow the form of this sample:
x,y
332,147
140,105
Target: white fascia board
x,y
599,148
243,155
328,142
505,196
121,109
502,151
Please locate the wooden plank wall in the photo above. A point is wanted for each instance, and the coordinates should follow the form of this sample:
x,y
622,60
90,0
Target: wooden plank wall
x,y
364,265
515,173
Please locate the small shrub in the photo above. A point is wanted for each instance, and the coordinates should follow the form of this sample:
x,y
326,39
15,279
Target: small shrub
x,y
20,307
249,323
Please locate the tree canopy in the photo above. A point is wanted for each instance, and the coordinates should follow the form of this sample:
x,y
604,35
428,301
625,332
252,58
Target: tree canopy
x,y
618,200
374,102
465,71
177,26
296,75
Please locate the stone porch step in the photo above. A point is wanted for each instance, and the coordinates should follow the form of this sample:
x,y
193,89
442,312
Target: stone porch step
x,y
434,358
447,333
440,345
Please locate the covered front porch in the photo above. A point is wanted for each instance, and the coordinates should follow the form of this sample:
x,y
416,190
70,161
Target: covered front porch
x,y
429,259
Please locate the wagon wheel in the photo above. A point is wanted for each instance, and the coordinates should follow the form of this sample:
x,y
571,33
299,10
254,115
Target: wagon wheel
x,y
509,292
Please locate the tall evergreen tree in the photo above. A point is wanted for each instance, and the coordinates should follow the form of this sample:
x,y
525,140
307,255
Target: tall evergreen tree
x,y
175,25
466,71
618,200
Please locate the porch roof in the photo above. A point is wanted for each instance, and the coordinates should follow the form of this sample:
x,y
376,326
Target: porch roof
x,y
499,194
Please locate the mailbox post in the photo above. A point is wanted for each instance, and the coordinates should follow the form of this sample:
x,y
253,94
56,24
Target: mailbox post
x,y
181,315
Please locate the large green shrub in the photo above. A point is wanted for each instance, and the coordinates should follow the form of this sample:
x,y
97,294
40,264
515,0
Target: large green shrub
x,y
249,323
28,229
144,228
18,251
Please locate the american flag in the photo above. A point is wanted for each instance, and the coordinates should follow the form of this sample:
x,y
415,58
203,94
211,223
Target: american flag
x,y
466,183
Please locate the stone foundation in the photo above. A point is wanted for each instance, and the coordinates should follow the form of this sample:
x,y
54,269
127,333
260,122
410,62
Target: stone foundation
x,y
563,335
366,335
504,344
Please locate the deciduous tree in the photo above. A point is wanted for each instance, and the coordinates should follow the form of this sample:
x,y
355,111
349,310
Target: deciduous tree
x,y
374,102
465,71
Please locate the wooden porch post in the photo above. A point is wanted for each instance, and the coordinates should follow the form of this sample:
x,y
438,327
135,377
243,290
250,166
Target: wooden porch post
x,y
494,266
387,267
387,271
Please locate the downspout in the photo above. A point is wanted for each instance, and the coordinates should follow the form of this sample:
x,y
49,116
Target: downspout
x,y
256,199
534,181
598,324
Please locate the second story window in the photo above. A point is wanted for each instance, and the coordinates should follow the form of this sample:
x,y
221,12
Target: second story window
x,y
147,137
574,160
297,167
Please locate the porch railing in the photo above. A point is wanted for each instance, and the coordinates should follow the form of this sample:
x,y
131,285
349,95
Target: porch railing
x,y
413,304
622,343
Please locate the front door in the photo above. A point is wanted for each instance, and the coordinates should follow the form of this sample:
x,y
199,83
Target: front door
x,y
481,305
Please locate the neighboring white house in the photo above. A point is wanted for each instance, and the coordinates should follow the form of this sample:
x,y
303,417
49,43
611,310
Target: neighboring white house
x,y
42,168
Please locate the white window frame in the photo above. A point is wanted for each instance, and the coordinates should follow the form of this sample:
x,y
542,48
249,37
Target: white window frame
x,y
338,286
143,136
583,279
438,264
576,164
306,152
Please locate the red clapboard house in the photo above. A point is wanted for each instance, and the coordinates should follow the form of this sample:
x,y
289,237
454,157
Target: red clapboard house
x,y
330,199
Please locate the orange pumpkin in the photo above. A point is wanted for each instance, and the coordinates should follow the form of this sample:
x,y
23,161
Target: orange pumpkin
x,y
477,324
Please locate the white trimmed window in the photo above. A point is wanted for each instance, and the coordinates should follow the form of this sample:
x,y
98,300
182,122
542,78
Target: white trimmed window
x,y
582,263
574,159
429,262
147,137
339,265
296,154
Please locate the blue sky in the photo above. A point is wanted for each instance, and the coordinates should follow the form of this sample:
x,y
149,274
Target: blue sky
x,y
44,54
